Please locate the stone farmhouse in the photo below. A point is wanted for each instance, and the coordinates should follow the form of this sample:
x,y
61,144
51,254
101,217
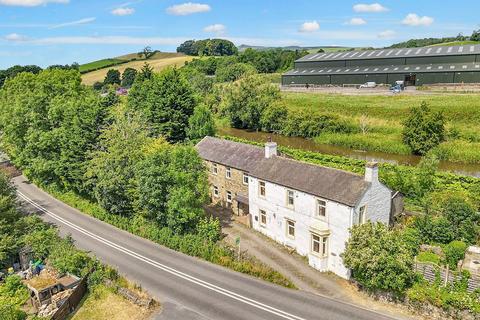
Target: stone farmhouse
x,y
306,207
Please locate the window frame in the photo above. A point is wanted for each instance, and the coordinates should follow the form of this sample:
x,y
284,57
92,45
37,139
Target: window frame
x,y
322,244
229,197
317,209
228,172
216,192
290,224
292,205
262,213
243,179
214,169
260,188
362,214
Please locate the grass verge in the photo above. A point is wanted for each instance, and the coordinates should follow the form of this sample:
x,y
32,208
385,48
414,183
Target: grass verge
x,y
189,244
103,303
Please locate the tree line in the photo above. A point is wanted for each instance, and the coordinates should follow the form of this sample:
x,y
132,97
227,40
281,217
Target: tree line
x,y
414,43
132,157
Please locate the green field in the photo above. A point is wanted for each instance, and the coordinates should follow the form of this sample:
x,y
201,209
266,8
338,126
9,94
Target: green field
x,y
99,64
455,43
384,115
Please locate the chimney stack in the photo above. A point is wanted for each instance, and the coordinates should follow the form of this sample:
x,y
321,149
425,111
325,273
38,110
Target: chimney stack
x,y
371,172
270,149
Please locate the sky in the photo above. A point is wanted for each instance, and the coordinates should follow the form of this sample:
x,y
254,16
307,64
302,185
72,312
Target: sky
x,y
46,32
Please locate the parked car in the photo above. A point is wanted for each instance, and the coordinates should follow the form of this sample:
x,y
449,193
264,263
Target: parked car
x,y
370,84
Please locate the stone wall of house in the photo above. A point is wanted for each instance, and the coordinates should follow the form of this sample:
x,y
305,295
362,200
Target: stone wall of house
x,y
235,185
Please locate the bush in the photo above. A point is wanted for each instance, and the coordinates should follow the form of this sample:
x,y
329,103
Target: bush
x,y
434,229
209,228
380,258
308,125
454,252
423,129
233,72
273,118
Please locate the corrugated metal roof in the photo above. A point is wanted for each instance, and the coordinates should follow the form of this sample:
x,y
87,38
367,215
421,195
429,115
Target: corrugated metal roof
x,y
393,53
447,67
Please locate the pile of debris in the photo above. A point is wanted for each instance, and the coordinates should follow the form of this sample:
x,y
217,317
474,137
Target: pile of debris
x,y
48,310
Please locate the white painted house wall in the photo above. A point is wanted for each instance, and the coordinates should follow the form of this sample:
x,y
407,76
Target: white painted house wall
x,y
336,225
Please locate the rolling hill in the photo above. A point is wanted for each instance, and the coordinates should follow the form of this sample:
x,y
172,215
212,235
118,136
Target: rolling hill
x,y
158,61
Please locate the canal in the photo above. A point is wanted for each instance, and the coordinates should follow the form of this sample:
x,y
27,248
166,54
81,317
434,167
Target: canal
x,y
310,145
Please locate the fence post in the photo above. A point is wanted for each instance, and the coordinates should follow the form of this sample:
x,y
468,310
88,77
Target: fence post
x,y
447,272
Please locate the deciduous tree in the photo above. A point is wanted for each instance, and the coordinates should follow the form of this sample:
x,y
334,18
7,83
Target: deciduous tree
x,y
167,102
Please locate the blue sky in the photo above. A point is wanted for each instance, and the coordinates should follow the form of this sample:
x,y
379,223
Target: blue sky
x,y
45,32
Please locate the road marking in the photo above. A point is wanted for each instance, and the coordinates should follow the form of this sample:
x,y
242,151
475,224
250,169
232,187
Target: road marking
x,y
165,268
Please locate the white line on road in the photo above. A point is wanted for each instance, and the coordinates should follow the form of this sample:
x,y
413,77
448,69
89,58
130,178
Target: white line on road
x,y
165,268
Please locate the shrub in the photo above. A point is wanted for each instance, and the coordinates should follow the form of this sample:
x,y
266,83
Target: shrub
x,y
273,118
423,129
462,216
209,228
454,252
434,229
427,256
233,72
379,258
307,125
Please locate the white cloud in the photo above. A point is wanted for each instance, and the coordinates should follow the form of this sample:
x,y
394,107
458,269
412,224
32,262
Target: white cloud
x,y
413,19
188,8
309,26
15,37
29,3
73,23
356,22
387,34
123,11
215,28
374,7
106,40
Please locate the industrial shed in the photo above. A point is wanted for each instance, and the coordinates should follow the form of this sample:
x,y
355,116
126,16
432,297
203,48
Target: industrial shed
x,y
415,66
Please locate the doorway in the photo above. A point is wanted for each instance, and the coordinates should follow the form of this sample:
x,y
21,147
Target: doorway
x,y
410,80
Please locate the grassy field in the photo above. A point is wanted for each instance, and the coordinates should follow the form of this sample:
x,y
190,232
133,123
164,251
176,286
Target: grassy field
x,y
384,115
102,303
99,64
158,62
455,43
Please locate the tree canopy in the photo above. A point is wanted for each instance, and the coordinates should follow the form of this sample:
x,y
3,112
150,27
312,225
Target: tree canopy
x,y
167,102
423,129
246,99
50,121
201,123
112,77
208,47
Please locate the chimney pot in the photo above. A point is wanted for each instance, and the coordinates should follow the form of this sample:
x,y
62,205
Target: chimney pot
x,y
270,149
371,172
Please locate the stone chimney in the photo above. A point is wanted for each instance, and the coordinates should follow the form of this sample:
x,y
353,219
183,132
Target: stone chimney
x,y
371,172
270,149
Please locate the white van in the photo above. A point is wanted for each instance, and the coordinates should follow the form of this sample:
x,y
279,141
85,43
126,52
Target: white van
x,y
369,85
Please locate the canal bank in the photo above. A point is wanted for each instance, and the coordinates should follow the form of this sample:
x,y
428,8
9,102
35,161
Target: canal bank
x,y
310,145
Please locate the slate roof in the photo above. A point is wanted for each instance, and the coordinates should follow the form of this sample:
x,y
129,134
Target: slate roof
x,y
394,53
331,184
327,183
229,153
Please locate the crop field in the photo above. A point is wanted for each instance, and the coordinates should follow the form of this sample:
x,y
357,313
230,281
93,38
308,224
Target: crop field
x,y
157,62
382,116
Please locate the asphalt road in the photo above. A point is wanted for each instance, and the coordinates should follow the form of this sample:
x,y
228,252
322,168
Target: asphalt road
x,y
188,288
